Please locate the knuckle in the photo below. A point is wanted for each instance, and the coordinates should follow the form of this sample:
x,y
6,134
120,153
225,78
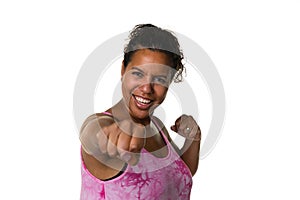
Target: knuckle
x,y
101,137
123,146
102,149
112,153
133,147
105,130
136,146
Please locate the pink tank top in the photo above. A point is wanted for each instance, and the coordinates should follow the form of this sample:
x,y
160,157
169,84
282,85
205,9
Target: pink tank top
x,y
152,178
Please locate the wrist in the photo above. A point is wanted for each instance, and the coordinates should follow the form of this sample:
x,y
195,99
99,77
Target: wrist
x,y
196,138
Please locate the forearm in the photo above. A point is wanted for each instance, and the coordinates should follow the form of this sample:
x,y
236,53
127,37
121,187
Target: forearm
x,y
190,154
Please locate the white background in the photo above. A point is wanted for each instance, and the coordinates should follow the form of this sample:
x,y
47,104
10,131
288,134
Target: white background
x,y
255,46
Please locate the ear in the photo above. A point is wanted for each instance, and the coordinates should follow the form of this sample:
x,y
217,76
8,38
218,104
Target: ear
x,y
122,69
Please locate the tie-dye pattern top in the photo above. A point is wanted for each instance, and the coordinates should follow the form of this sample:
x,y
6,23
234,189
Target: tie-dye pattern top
x,y
152,178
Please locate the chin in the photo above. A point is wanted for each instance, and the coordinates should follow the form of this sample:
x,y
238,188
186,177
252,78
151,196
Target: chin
x,y
141,116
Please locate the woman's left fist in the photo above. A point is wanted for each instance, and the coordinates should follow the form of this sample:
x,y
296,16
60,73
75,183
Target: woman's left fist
x,y
187,127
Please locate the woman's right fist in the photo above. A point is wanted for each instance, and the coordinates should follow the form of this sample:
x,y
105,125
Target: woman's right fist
x,y
105,138
123,140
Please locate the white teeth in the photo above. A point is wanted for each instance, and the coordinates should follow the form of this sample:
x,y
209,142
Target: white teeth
x,y
141,100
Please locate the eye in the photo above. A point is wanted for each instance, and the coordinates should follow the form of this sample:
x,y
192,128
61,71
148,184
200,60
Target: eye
x,y
160,80
137,74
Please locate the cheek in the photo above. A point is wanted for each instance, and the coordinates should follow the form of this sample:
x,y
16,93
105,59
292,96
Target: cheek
x,y
161,92
128,86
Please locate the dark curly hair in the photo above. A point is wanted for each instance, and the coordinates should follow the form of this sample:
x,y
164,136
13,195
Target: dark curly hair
x,y
148,36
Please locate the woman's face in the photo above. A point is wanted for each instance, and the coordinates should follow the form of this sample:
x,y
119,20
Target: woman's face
x,y
145,82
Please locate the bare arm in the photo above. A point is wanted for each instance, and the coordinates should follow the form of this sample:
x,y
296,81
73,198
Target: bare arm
x,y
187,127
189,153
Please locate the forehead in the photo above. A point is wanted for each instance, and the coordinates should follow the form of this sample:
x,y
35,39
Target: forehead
x,y
146,56
146,60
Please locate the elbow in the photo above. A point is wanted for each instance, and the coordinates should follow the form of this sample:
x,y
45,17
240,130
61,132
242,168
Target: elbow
x,y
193,171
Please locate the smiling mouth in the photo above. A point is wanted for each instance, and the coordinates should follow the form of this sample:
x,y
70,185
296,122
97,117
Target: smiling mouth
x,y
142,103
142,100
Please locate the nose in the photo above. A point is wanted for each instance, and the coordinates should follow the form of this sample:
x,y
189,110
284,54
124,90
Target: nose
x,y
147,87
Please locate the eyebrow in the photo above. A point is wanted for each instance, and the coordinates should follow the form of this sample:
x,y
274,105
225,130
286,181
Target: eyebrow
x,y
138,69
144,72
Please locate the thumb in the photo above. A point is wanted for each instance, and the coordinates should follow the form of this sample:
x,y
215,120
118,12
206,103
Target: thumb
x,y
174,128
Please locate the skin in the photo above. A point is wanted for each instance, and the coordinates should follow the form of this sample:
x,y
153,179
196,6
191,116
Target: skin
x,y
120,139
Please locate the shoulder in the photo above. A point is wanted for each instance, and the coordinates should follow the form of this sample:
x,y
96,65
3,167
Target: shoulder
x,y
165,132
162,127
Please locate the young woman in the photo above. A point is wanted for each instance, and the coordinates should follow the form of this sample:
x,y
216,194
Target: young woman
x,y
127,152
